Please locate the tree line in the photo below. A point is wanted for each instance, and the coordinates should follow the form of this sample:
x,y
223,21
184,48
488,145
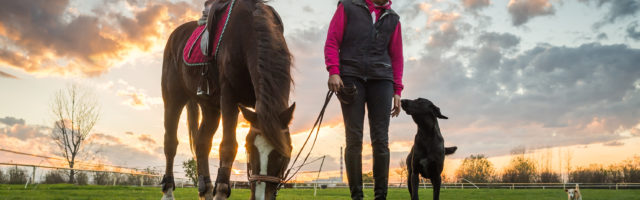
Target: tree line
x,y
17,175
522,169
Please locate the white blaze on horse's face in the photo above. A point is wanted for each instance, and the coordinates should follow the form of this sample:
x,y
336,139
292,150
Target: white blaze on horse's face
x,y
264,149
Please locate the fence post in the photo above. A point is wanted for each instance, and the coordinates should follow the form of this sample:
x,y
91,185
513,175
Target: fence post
x,y
616,186
141,181
33,175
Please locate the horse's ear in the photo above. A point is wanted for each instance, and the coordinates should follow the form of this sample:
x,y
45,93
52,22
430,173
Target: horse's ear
x,y
249,115
287,115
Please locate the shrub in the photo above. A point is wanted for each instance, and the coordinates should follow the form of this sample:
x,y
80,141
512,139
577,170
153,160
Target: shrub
x,y
55,177
520,170
17,175
102,178
549,177
81,178
476,168
2,178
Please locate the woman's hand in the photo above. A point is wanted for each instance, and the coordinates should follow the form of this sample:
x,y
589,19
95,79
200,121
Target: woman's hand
x,y
335,83
396,106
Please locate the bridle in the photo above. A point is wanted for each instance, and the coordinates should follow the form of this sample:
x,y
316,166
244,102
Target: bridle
x,y
288,175
264,178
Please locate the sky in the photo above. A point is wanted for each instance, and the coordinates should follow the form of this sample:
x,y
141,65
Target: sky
x,y
544,75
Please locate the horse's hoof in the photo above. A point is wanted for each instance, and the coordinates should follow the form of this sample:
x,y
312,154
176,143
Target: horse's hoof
x,y
168,195
222,191
208,194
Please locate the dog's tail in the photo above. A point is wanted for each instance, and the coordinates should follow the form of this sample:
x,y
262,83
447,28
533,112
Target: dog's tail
x,y
450,150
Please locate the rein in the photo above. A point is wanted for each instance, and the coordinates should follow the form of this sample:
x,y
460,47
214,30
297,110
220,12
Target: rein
x,y
288,176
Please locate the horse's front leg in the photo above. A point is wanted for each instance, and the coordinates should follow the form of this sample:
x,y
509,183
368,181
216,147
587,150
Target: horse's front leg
x,y
210,121
228,146
172,110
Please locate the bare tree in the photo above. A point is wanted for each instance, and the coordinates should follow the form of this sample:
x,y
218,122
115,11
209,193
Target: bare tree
x,y
402,171
75,111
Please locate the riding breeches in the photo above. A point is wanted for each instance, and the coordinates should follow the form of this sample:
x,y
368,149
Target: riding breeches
x,y
377,96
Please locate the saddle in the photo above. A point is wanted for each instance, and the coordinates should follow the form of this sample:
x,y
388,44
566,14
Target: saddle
x,y
201,50
198,51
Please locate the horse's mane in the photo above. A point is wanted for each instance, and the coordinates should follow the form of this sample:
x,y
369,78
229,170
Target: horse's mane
x,y
274,67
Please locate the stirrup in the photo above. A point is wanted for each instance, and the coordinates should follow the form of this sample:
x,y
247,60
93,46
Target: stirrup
x,y
224,173
203,93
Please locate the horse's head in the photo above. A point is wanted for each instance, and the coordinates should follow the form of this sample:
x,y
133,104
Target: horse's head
x,y
269,151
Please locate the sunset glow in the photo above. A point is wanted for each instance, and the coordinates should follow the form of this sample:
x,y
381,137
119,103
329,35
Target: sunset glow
x,y
559,79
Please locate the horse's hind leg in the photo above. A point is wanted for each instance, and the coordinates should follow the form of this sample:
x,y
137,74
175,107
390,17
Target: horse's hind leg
x,y
210,121
172,110
228,146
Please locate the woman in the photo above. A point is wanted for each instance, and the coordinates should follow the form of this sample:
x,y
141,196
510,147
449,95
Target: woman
x,y
364,50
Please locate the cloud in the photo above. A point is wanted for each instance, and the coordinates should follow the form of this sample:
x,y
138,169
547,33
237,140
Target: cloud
x,y
307,9
633,32
25,132
614,143
603,36
147,139
502,40
618,9
10,121
445,38
134,97
522,11
475,4
101,138
7,75
48,37
544,95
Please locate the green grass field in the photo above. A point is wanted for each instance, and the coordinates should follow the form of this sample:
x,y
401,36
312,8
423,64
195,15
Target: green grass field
x,y
63,191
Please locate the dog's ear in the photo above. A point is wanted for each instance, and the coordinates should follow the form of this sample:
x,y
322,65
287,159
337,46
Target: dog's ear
x,y
438,113
566,190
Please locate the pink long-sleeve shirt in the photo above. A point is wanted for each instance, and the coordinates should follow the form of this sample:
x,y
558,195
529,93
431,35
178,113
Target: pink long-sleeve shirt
x,y
336,33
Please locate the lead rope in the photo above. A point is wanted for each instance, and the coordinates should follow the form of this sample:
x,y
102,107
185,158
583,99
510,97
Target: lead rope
x,y
316,127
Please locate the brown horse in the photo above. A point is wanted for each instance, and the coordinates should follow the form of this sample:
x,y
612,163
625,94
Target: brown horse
x,y
253,70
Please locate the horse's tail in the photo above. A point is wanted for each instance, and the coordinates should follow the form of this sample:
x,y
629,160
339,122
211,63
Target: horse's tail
x,y
274,66
450,150
193,117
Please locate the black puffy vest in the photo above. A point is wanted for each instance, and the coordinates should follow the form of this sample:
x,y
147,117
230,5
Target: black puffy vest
x,y
364,51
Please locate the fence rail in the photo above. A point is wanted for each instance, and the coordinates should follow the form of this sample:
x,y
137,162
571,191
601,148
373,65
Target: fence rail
x,y
152,180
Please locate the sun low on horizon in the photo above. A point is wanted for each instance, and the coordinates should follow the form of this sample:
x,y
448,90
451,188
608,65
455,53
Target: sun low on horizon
x,y
557,81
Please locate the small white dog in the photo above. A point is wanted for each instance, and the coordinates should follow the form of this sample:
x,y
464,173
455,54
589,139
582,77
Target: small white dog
x,y
574,194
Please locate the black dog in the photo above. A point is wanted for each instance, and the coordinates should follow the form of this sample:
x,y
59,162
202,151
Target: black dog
x,y
427,154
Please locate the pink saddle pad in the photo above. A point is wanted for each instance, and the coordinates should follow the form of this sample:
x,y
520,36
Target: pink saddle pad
x,y
192,53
